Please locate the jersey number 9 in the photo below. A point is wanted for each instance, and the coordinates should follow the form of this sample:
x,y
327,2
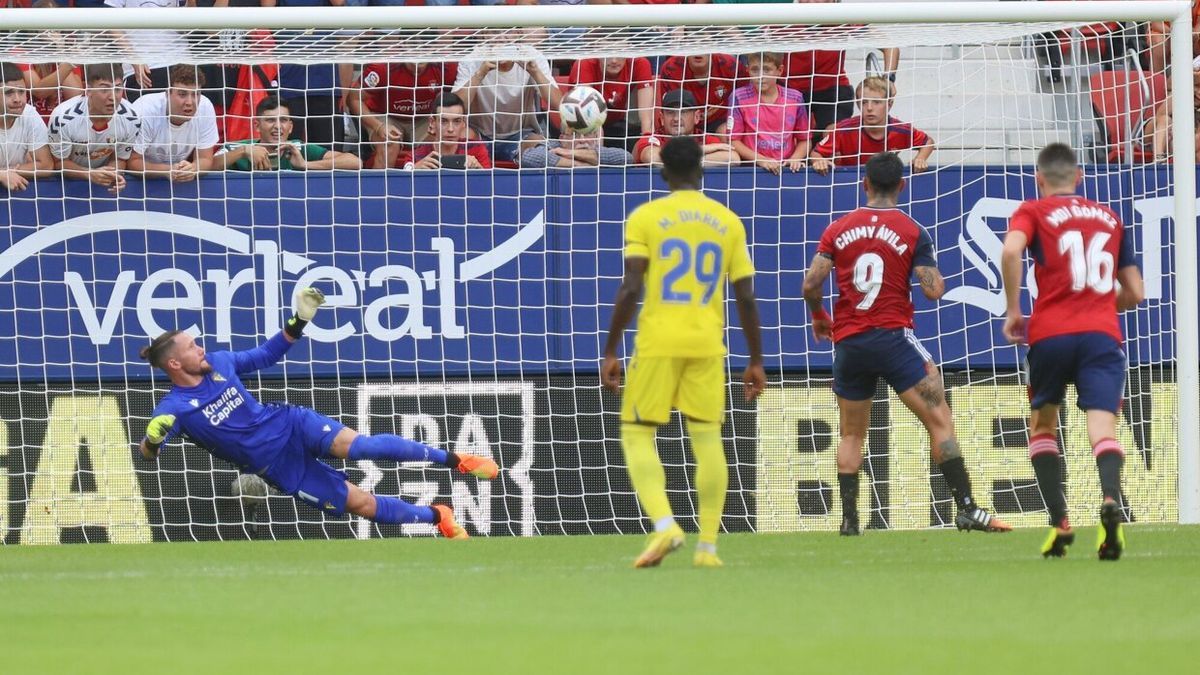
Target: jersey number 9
x,y
704,263
868,278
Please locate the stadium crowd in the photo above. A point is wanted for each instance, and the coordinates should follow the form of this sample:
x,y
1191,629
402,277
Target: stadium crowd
x,y
780,112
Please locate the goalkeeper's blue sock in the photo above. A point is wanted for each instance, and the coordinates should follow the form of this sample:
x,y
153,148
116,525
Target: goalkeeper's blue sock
x,y
389,446
397,511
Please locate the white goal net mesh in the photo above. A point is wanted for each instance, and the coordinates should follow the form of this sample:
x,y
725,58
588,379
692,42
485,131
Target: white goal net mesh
x,y
469,304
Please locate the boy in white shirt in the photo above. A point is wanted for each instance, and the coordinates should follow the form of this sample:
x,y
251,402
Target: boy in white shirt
x,y
94,136
179,128
23,150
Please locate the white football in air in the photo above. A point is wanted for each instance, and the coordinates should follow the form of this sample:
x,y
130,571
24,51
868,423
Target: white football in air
x,y
583,109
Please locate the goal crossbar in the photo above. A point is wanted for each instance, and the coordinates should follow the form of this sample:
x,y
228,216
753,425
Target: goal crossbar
x,y
590,15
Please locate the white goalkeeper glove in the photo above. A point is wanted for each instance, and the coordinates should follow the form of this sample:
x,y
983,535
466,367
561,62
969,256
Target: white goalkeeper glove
x,y
307,302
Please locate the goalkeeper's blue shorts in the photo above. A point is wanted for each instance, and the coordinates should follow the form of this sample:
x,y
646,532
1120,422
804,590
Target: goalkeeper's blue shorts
x,y
296,469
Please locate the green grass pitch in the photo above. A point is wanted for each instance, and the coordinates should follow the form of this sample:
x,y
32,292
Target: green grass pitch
x,y
919,602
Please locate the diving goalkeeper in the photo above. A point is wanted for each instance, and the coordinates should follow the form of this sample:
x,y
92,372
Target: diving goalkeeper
x,y
280,442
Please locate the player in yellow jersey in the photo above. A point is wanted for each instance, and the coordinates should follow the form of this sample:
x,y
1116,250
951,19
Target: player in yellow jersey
x,y
679,250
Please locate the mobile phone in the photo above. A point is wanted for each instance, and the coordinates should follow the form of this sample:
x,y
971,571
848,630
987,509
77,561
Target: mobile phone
x,y
454,161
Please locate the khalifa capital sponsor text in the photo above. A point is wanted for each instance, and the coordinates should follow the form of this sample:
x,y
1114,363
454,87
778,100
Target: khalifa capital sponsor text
x,y
246,263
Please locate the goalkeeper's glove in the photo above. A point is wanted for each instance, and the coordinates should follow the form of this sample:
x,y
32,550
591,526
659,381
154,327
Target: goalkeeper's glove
x,y
156,431
306,308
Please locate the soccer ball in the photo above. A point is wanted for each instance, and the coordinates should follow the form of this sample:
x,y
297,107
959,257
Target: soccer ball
x,y
583,109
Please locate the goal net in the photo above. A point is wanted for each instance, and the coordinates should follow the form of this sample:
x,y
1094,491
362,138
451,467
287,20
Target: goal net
x,y
468,304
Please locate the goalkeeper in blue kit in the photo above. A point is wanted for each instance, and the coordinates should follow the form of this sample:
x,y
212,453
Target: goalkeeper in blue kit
x,y
282,443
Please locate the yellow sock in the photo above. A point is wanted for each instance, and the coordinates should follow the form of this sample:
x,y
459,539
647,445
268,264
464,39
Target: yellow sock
x,y
712,476
646,470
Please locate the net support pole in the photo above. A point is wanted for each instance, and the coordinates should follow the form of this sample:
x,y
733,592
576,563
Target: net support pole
x,y
1187,282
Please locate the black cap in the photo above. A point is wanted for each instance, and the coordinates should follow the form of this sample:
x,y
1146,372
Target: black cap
x,y
679,98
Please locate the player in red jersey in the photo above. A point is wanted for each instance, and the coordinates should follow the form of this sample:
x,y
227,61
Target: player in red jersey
x,y
876,250
1080,253
855,140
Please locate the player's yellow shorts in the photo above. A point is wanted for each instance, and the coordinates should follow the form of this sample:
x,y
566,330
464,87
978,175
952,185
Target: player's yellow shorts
x,y
654,385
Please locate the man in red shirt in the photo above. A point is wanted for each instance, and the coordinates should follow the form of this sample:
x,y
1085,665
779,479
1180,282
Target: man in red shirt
x,y
710,78
876,250
393,103
855,140
1080,253
628,87
449,143
681,116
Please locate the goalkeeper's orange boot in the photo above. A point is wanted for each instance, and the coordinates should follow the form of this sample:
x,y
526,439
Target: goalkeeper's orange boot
x,y
977,518
480,467
446,524
659,545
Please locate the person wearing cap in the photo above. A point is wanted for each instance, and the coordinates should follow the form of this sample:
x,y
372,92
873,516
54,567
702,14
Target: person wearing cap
x,y
680,115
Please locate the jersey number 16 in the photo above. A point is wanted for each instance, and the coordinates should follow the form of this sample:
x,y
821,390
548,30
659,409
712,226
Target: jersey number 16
x,y
1091,267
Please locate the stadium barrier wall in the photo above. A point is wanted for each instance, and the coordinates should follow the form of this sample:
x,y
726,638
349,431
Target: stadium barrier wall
x,y
468,309
474,273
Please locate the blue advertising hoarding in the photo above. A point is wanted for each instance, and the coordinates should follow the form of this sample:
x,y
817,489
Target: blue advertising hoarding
x,y
496,273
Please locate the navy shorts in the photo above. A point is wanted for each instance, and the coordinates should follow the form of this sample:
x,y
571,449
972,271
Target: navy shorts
x,y
1095,362
297,471
895,354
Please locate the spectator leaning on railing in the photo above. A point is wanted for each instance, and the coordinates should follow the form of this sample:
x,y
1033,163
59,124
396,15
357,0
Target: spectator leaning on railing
x,y
572,149
24,153
770,124
855,140
680,115
272,151
95,135
449,145
179,128
393,102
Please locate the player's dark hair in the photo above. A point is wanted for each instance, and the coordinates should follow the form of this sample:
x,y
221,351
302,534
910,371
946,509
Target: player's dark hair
x,y
448,100
9,72
104,72
682,161
157,352
270,103
885,171
1056,162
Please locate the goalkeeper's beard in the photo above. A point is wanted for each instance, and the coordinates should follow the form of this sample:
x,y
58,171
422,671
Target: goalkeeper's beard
x,y
203,368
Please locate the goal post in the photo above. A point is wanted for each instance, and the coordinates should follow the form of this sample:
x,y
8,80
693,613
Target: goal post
x,y
468,307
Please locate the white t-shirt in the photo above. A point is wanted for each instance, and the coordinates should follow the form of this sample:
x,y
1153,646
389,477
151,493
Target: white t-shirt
x,y
504,102
166,143
73,137
163,42
27,133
